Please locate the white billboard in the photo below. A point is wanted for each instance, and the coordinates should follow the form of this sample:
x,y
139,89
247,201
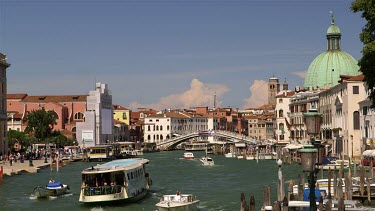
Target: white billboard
x,y
88,135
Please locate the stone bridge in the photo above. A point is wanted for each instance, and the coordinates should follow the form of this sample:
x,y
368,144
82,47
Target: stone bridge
x,y
169,144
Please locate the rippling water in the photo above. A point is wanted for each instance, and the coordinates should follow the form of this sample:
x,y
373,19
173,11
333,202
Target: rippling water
x,y
217,187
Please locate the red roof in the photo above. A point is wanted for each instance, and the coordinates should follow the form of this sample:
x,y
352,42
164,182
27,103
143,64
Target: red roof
x,y
16,96
119,107
55,98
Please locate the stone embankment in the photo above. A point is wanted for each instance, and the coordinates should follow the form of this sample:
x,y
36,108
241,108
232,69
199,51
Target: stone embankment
x,y
19,168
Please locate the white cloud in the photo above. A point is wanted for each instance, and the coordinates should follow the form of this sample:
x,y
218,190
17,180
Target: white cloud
x,y
199,94
258,94
301,74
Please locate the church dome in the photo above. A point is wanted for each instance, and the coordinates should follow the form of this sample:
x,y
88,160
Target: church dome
x,y
325,70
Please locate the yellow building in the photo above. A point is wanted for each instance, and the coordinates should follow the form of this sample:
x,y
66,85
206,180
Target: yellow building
x,y
121,114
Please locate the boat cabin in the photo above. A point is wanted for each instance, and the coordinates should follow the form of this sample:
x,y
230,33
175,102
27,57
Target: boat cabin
x,y
101,152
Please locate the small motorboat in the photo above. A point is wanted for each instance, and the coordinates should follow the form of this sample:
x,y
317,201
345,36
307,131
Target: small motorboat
x,y
52,189
207,161
178,202
189,156
54,163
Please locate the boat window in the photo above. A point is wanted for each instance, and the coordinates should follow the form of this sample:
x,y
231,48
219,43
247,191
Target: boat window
x,y
128,176
131,175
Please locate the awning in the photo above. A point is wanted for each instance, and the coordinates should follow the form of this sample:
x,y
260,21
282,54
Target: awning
x,y
368,153
240,144
294,146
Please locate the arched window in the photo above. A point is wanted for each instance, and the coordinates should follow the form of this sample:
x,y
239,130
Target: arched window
x,y
74,129
78,115
161,127
148,137
356,120
281,127
157,127
168,136
157,137
161,137
281,114
54,114
148,127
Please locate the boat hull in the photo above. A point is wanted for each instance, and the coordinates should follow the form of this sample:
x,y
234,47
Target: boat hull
x,y
112,198
43,192
178,206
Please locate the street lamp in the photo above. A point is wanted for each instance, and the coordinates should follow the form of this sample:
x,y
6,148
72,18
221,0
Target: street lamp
x,y
280,195
308,159
312,154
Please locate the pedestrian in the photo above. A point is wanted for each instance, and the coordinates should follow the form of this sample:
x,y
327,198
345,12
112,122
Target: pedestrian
x,y
11,160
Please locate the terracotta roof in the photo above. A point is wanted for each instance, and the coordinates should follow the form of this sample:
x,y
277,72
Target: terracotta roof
x,y
119,107
135,115
55,98
169,115
57,104
16,96
357,78
288,94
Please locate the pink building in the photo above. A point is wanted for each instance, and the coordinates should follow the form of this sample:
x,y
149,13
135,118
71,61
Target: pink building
x,y
68,108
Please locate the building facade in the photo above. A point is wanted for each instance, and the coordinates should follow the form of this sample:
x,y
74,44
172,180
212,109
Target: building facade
x,y
3,105
98,124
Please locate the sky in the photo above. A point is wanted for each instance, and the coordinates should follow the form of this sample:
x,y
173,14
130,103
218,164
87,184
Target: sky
x,y
168,54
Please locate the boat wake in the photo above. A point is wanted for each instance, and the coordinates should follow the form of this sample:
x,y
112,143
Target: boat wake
x,y
97,209
33,197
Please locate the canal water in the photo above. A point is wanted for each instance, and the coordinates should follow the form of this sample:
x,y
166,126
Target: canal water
x,y
217,187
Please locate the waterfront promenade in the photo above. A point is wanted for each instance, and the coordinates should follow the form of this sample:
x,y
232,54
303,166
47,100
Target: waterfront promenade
x,y
19,168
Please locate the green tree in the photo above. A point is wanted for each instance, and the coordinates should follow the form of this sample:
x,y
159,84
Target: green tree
x,y
367,36
14,135
40,123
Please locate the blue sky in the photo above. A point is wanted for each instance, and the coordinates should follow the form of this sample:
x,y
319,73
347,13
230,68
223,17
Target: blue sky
x,y
167,54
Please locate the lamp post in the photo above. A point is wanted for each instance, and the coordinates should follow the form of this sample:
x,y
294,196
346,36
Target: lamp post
x,y
308,159
312,155
280,195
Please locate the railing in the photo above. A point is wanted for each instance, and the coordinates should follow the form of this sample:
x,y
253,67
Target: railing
x,y
101,190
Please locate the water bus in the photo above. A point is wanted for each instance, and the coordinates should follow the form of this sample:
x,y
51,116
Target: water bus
x,y
101,152
122,180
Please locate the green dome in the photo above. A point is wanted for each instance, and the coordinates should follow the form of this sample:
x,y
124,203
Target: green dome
x,y
320,72
325,70
333,29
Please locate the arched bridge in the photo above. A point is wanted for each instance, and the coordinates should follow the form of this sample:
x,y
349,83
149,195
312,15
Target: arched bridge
x,y
231,137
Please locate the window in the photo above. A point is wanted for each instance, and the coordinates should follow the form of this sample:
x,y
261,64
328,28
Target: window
x,y
355,89
161,127
364,110
356,120
167,127
124,116
78,115
149,128
281,114
280,100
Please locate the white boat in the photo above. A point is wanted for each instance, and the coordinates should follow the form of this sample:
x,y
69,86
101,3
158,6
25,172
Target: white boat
x,y
337,164
349,205
182,202
230,155
189,156
207,161
120,180
52,189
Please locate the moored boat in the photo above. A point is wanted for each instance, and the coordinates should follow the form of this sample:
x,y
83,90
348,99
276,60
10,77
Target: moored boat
x,y
188,156
180,202
52,189
230,155
122,180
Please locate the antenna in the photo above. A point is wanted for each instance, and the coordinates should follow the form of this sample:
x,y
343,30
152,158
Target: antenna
x,y
215,101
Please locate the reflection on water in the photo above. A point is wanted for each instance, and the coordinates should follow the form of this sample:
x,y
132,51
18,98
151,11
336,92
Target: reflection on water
x,y
217,187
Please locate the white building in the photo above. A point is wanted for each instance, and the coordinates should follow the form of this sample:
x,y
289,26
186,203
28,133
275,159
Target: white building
x,y
367,122
282,131
98,124
162,126
341,116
